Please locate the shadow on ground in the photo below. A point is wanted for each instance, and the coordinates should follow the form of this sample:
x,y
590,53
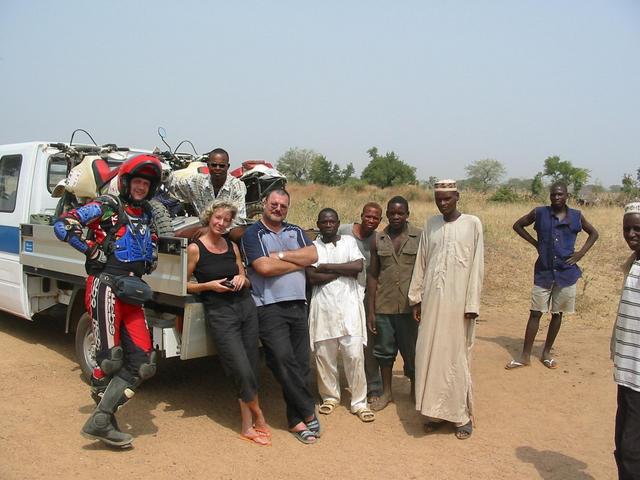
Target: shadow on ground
x,y
554,465
46,329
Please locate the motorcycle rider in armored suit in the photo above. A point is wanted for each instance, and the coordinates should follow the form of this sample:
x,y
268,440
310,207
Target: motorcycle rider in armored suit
x,y
121,242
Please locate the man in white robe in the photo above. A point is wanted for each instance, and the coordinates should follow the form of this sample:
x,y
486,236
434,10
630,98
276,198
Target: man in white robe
x,y
336,317
445,295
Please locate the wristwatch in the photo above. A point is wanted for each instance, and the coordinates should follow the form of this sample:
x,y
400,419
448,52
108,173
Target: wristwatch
x,y
281,255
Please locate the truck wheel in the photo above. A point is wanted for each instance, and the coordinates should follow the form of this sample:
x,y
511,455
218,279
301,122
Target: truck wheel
x,y
85,347
162,218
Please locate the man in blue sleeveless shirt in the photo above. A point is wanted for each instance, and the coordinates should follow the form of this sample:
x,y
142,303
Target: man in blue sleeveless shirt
x,y
556,271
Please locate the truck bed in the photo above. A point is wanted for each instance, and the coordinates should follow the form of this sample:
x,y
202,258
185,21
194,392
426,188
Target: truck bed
x,y
42,253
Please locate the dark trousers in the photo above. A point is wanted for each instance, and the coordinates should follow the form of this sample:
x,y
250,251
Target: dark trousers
x,y
396,332
627,434
234,325
284,333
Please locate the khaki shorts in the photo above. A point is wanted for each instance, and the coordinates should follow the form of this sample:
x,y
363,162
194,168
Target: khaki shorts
x,y
561,299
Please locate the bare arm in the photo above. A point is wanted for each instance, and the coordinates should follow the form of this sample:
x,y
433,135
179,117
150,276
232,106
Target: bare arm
x,y
349,269
272,267
593,236
303,257
192,233
240,281
372,286
318,278
523,222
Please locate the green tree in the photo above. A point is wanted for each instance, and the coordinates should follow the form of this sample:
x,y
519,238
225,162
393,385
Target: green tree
x,y
485,174
563,171
326,173
387,170
323,171
505,194
346,174
536,184
629,185
296,163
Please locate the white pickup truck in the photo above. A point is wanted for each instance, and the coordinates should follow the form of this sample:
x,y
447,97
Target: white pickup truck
x,y
37,271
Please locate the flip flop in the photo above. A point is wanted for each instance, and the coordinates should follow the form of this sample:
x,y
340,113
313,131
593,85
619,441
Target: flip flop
x,y
365,414
314,426
264,431
513,364
464,432
550,363
381,402
258,439
327,407
305,436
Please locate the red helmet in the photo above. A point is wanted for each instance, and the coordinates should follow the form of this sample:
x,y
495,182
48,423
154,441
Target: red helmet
x,y
143,166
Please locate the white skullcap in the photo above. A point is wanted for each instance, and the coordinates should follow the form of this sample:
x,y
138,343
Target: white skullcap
x,y
446,185
633,207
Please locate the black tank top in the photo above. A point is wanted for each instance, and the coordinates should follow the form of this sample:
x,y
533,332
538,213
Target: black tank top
x,y
214,266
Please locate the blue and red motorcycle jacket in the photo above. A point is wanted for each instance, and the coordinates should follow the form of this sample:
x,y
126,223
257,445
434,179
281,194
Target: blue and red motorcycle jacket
x,y
125,236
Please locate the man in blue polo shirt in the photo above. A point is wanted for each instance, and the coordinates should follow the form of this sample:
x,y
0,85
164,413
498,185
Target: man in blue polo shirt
x,y
556,271
277,254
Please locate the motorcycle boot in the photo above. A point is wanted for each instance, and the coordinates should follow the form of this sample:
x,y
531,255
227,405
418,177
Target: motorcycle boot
x,y
100,425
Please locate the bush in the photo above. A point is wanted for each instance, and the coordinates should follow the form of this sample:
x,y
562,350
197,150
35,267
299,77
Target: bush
x,y
505,194
354,184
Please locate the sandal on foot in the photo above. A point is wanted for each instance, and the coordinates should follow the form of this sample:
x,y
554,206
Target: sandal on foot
x,y
314,426
381,402
256,438
305,436
327,407
513,364
264,431
464,432
550,363
365,414
431,426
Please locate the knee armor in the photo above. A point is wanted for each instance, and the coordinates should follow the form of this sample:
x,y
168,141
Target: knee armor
x,y
113,362
148,369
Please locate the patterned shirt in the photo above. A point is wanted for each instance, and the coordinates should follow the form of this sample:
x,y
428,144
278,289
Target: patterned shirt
x,y
626,335
197,190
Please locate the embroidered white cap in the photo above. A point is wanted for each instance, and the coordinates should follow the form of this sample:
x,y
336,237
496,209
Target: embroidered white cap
x,y
633,207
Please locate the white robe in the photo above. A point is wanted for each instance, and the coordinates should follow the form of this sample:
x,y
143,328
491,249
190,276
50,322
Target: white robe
x,y
447,280
336,309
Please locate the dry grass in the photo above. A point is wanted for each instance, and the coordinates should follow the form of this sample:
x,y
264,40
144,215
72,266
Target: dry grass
x,y
508,259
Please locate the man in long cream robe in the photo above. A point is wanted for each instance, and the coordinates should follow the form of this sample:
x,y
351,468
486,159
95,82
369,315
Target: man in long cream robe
x,y
445,294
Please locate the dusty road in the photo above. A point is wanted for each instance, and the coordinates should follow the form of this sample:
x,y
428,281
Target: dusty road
x,y
531,423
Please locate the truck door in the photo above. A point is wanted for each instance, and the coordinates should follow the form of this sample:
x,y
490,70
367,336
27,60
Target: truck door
x,y
16,171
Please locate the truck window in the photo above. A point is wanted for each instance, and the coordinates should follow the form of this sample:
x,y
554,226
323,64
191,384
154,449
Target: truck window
x,y
9,176
57,171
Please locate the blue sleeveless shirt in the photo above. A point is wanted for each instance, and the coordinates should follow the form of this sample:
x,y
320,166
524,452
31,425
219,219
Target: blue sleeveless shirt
x,y
556,243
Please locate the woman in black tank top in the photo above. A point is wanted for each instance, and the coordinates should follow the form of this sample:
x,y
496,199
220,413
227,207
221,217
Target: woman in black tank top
x,y
230,312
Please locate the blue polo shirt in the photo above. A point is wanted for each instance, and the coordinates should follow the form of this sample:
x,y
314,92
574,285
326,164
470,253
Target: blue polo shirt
x,y
258,241
556,243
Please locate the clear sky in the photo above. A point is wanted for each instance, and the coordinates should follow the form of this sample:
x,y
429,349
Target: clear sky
x,y
441,83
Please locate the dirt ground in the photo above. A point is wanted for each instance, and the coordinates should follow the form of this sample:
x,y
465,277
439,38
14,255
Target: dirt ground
x,y
531,423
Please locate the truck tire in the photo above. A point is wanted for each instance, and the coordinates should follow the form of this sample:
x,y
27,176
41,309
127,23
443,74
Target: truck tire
x,y
85,348
162,218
